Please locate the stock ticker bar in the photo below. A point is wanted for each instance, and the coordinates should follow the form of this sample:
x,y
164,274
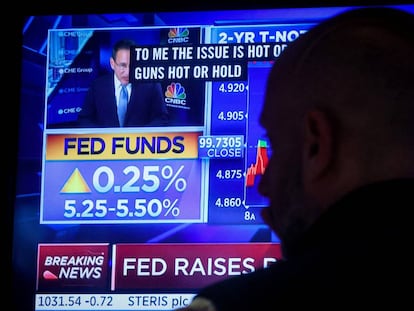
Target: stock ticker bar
x,y
105,301
89,276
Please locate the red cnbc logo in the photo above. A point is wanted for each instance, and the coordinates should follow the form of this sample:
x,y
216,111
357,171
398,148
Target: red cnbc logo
x,y
47,275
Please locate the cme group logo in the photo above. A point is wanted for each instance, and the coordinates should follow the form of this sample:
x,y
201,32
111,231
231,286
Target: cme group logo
x,y
69,110
178,35
175,96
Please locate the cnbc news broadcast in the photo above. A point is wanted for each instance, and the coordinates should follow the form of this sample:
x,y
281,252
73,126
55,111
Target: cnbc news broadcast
x,y
140,216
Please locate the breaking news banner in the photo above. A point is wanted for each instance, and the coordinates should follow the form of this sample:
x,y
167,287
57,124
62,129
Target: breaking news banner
x,y
139,276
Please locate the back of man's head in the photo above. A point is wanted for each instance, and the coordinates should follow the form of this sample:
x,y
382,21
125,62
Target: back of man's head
x,y
358,67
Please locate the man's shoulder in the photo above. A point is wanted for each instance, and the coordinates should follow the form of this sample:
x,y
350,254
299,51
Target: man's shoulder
x,y
147,86
258,279
103,80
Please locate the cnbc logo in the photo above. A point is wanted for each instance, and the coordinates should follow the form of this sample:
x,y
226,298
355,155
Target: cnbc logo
x,y
175,95
178,35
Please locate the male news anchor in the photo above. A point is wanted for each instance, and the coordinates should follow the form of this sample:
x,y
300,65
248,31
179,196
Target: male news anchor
x,y
144,101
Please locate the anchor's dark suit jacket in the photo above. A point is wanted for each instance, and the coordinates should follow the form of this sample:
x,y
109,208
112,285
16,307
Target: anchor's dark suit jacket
x,y
146,105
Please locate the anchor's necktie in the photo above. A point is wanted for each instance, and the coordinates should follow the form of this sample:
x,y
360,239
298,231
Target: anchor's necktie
x,y
122,105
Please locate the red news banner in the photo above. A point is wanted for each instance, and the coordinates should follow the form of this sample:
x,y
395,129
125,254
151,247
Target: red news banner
x,y
186,266
147,266
158,276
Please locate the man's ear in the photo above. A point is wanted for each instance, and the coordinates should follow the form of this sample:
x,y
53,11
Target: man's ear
x,y
112,63
318,144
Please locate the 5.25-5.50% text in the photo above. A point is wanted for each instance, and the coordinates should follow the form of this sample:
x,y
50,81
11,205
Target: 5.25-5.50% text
x,y
123,208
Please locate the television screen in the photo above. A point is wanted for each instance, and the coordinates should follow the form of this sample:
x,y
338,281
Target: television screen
x,y
139,217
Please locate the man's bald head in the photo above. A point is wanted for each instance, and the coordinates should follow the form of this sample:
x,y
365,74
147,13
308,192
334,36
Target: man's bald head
x,y
339,113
